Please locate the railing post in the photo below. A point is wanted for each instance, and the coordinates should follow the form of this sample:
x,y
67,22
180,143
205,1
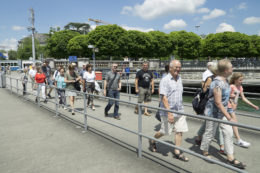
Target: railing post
x,y
17,86
130,91
56,102
85,112
11,85
139,130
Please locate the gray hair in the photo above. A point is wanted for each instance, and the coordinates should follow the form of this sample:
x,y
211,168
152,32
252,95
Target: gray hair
x,y
209,64
173,62
214,67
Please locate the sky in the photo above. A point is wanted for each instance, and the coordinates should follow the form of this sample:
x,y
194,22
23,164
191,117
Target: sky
x,y
210,16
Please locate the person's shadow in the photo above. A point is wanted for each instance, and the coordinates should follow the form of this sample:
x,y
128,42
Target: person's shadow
x,y
213,151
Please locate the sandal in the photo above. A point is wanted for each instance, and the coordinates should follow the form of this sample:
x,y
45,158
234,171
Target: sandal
x,y
147,114
208,156
152,146
239,165
181,157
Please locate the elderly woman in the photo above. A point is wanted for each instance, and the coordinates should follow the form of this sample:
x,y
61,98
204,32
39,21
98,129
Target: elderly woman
x,y
70,78
216,107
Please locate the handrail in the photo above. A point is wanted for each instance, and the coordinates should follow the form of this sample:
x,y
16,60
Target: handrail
x,y
140,134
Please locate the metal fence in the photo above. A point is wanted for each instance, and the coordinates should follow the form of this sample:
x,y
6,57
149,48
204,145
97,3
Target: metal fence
x,y
15,90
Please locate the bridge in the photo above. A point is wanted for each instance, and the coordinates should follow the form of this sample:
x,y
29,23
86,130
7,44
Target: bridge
x,y
37,138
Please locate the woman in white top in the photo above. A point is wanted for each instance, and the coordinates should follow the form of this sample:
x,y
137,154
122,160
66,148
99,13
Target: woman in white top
x,y
89,84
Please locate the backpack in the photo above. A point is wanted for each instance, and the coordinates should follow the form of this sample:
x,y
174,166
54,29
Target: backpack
x,y
200,99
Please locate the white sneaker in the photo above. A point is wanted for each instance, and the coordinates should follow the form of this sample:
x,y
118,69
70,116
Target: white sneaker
x,y
242,143
65,108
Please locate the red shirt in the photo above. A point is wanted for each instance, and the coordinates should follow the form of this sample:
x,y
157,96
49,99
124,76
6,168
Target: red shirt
x,y
40,77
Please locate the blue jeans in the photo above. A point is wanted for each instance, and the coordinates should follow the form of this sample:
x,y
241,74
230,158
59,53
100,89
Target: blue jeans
x,y
113,94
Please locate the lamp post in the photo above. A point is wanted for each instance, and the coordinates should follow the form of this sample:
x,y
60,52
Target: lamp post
x,y
94,49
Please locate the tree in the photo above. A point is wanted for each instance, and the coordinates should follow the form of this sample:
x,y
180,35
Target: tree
x,y
57,43
161,44
186,44
79,46
24,50
81,28
227,44
109,39
12,54
255,49
137,44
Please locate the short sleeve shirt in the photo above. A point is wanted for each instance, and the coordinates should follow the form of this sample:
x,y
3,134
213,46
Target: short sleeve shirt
x,y
60,82
206,74
89,77
144,78
40,77
173,90
32,72
236,91
109,77
71,86
211,109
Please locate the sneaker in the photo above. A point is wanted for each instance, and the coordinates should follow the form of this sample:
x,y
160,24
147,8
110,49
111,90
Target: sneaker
x,y
45,101
64,108
106,114
242,143
221,151
198,142
117,117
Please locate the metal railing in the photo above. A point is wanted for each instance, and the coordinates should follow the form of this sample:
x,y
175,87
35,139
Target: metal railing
x,y
129,85
139,132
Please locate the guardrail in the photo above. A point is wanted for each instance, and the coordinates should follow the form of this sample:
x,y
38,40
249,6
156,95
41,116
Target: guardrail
x,y
128,86
139,131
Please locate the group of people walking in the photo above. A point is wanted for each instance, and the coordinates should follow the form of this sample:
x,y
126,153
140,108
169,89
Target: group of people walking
x,y
222,103
222,100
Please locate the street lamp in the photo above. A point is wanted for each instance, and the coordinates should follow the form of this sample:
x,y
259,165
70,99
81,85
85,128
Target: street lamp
x,y
94,49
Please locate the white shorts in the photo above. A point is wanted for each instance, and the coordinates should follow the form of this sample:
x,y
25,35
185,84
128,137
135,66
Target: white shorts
x,y
179,125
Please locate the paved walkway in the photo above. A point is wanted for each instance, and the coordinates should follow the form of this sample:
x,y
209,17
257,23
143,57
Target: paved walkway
x,y
33,140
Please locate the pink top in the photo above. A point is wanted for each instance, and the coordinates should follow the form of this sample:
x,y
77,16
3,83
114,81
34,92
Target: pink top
x,y
234,91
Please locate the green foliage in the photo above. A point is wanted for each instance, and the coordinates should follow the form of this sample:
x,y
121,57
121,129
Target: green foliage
x,y
24,50
255,49
114,41
12,54
79,46
227,44
57,44
161,44
185,44
137,44
109,39
82,28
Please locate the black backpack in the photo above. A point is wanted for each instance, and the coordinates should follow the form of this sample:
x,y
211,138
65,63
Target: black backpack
x,y
200,99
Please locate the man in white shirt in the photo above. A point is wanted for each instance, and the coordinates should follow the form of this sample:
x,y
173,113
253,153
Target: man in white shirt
x,y
32,74
171,90
207,73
